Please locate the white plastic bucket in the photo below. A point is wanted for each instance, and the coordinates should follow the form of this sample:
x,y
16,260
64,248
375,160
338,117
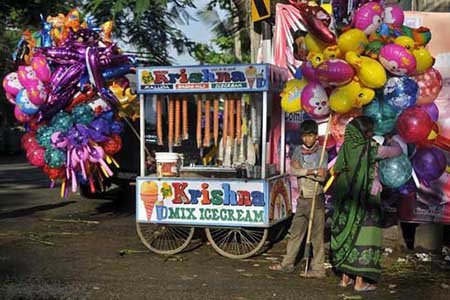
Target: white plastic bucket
x,y
167,164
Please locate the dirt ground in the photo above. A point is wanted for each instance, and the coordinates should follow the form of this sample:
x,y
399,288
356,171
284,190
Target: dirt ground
x,y
88,249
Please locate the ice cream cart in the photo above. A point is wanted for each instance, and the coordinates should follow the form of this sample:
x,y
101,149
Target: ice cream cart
x,y
214,171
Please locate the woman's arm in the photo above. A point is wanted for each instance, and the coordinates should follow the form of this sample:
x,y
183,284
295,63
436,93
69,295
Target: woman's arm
x,y
392,150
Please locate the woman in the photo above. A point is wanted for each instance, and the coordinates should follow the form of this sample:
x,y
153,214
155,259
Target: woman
x,y
356,232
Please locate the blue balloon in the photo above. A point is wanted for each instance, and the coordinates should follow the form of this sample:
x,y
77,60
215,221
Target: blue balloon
x,y
395,172
298,74
24,103
383,115
401,92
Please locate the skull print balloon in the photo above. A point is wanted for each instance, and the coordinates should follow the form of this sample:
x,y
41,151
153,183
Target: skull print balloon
x,y
315,101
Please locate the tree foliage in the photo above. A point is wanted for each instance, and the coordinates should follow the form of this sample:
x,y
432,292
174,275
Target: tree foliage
x,y
234,28
148,26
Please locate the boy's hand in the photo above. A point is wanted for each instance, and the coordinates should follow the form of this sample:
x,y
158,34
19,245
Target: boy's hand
x,y
321,172
295,164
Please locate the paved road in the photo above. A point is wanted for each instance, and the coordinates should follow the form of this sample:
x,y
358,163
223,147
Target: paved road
x,y
41,258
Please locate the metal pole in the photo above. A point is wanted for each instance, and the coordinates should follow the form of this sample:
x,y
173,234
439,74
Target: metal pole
x,y
142,133
283,143
263,136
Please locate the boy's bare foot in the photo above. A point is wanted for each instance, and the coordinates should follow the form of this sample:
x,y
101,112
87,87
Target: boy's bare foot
x,y
313,274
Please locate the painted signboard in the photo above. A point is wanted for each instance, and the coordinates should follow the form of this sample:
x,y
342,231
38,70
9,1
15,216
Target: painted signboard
x,y
213,202
202,202
213,79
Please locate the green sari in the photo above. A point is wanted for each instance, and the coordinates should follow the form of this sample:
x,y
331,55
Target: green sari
x,y
356,233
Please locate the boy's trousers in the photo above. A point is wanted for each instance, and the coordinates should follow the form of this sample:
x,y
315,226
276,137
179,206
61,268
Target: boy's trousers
x,y
298,230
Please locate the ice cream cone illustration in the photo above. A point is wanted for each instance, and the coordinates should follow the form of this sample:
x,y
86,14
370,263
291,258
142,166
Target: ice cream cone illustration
x,y
149,195
250,72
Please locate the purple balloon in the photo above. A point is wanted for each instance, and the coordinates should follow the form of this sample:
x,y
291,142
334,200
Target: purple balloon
x,y
334,72
93,66
101,128
61,55
109,97
432,110
308,71
429,164
71,76
49,109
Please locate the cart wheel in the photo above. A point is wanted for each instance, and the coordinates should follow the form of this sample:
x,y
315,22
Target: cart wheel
x,y
162,239
237,243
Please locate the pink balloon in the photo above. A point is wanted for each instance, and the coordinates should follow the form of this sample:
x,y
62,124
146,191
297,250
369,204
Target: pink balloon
x,y
339,122
315,101
430,85
334,72
40,66
393,14
27,76
37,93
397,60
11,84
11,99
20,116
369,17
36,156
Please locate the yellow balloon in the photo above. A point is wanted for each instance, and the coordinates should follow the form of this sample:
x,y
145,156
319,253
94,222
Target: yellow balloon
x,y
352,95
369,71
290,97
332,52
315,58
353,40
405,41
313,44
328,8
424,60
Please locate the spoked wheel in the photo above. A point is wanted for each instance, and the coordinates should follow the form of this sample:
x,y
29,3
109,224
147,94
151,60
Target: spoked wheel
x,y
237,243
162,239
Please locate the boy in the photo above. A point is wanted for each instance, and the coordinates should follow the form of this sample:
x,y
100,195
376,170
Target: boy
x,y
305,165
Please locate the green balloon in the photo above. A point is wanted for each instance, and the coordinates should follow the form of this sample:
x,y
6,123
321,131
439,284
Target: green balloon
x,y
383,115
395,172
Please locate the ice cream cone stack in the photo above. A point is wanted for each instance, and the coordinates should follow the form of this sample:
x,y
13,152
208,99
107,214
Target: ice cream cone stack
x,y
149,195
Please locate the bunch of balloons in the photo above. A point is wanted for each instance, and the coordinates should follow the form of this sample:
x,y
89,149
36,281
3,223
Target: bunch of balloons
x,y
371,64
70,91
